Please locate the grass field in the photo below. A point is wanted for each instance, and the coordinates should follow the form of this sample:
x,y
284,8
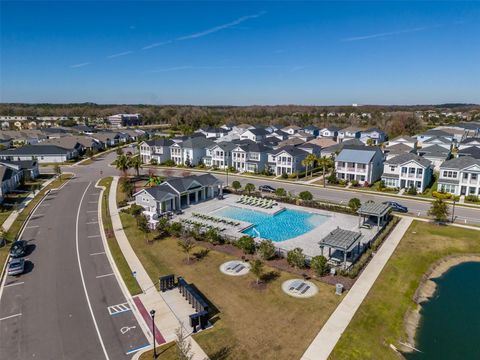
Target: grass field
x,y
251,323
117,254
380,319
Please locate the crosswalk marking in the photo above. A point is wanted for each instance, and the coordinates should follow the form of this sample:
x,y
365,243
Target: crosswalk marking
x,y
119,308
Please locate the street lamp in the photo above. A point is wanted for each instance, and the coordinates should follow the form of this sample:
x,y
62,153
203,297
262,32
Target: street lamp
x,y
152,314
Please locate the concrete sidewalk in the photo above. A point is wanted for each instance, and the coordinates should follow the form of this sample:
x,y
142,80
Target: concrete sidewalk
x,y
327,338
165,320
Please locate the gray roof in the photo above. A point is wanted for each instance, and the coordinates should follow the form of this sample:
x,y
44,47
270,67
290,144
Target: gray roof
x,y
344,144
292,150
406,138
460,163
434,151
160,192
341,239
362,155
225,146
438,139
21,164
159,142
468,125
472,151
182,184
259,131
36,150
403,158
469,140
373,208
197,142
399,148
435,132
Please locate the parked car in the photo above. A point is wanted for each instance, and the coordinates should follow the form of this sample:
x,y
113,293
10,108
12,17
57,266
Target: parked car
x,y
18,248
266,188
396,206
16,267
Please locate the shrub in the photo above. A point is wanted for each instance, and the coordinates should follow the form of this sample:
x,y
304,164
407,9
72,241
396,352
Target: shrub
x,y
284,176
247,244
332,178
305,195
169,162
249,187
281,192
153,162
472,198
354,183
213,236
441,195
175,229
319,265
266,249
134,210
412,190
293,176
354,204
236,185
296,258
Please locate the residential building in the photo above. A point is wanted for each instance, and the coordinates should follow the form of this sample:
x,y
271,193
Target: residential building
x,y
291,142
329,132
361,163
373,136
302,135
219,155
312,130
279,134
288,160
9,179
177,193
440,141
190,152
250,157
156,150
436,154
213,132
119,120
28,168
292,129
333,150
460,176
41,153
469,142
351,132
429,134
322,142
397,149
254,135
405,140
473,151
406,171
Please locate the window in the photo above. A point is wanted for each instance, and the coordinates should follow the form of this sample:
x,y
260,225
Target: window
x,y
474,177
393,168
465,176
420,171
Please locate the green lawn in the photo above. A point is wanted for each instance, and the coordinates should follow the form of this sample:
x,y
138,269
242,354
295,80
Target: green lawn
x,y
251,323
380,319
117,254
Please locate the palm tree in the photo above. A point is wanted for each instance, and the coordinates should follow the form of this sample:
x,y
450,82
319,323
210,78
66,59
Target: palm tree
x,y
324,162
122,164
310,159
136,163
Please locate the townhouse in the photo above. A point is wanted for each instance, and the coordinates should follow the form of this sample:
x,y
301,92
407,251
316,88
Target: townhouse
x,y
329,132
41,153
255,135
219,155
473,151
469,142
312,130
351,132
9,179
290,130
287,160
250,157
155,150
406,171
360,163
397,149
460,176
191,151
405,140
429,134
373,136
302,135
436,154
213,132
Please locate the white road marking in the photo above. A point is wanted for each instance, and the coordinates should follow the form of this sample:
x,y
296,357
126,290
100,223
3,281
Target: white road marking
x,y
93,202
126,329
11,316
137,349
93,236
92,222
32,227
83,279
99,253
38,214
120,308
14,284
91,211
105,275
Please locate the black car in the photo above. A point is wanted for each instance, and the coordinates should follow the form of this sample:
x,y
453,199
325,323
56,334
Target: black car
x,y
18,248
396,206
266,188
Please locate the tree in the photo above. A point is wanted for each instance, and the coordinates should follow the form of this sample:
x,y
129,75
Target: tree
x,y
119,151
122,164
236,185
182,345
162,227
325,163
136,163
142,223
89,153
280,192
319,264
370,142
186,245
175,229
126,186
247,244
354,204
57,169
439,210
296,258
249,187
266,249
212,236
309,161
256,267
305,195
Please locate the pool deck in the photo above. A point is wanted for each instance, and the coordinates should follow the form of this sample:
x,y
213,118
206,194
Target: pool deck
x,y
308,241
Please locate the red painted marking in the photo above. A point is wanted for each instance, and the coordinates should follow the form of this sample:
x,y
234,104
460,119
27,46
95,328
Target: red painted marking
x,y
148,320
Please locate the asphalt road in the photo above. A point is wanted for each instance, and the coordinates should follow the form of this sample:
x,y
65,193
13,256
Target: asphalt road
x,y
59,309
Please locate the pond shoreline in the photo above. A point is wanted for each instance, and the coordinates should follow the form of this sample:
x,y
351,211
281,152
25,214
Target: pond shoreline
x,y
426,290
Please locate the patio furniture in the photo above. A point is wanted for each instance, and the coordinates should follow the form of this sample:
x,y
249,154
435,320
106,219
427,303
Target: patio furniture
x,y
305,290
240,268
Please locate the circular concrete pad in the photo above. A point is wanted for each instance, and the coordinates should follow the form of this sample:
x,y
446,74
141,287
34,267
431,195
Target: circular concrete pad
x,y
299,288
235,268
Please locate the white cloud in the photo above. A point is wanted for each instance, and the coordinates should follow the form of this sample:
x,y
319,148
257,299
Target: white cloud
x,y
79,65
154,45
390,33
119,54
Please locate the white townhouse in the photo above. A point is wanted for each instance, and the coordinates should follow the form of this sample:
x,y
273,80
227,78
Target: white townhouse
x,y
361,163
290,130
397,149
440,141
406,171
436,154
312,130
429,134
212,132
460,176
302,135
250,157
279,134
255,135
219,155
190,152
469,142
287,160
373,135
157,150
351,132
40,153
329,132
405,140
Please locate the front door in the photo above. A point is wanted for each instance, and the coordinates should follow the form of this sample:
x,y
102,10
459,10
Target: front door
x,y
463,190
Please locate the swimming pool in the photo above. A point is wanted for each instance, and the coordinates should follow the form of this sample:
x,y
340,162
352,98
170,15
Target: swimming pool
x,y
280,227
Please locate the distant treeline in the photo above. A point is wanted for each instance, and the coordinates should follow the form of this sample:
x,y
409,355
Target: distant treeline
x,y
393,119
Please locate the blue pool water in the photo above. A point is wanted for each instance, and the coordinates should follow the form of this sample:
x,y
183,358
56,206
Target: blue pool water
x,y
282,226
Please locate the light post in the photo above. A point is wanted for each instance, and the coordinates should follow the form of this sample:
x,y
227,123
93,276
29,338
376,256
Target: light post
x,y
453,210
152,314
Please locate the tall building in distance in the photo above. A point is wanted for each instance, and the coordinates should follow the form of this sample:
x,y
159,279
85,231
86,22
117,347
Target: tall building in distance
x,y
119,120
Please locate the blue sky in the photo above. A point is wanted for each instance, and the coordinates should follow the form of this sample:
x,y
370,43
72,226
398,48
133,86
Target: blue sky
x,y
240,53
